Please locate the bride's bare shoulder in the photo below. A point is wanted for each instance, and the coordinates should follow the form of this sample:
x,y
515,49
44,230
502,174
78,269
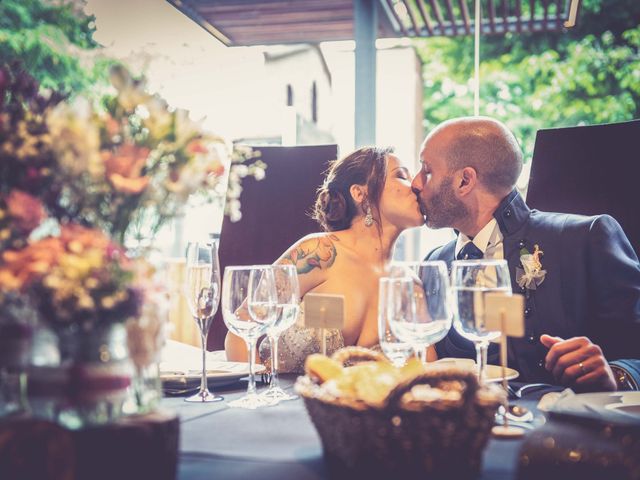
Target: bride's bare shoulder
x,y
317,251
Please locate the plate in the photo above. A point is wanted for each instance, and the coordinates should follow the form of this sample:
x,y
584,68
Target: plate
x,y
622,406
218,374
180,367
493,372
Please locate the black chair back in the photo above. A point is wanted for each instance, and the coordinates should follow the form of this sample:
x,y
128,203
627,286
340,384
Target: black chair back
x,y
275,212
589,170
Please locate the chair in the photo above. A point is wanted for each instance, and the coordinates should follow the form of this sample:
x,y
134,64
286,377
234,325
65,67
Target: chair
x,y
589,170
275,212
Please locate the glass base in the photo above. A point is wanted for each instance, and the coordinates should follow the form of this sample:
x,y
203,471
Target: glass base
x,y
203,396
251,402
277,394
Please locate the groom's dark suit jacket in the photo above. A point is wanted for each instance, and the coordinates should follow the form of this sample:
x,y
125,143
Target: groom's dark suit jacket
x,y
592,286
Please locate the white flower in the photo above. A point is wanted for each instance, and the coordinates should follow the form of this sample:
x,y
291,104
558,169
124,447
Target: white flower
x,y
259,173
531,275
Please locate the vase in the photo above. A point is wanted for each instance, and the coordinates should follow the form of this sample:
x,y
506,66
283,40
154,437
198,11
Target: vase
x,y
145,337
146,389
98,374
15,349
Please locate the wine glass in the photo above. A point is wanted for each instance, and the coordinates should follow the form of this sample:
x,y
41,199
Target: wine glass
x,y
471,280
202,290
249,308
288,307
428,319
396,350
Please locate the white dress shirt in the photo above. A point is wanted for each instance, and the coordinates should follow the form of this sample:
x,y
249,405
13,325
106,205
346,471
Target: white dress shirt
x,y
488,240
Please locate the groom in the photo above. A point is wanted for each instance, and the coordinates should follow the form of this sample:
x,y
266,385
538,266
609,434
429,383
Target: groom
x,y
579,316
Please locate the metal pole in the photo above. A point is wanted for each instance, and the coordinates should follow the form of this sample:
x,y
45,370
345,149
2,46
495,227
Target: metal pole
x,y
365,25
476,61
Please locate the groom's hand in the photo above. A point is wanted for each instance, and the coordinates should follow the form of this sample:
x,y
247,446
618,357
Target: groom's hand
x,y
577,362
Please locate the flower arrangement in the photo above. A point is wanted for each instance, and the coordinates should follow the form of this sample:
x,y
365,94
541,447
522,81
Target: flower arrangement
x,y
78,277
77,179
122,164
134,161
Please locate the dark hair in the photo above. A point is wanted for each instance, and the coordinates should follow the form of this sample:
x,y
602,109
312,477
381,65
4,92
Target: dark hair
x,y
334,208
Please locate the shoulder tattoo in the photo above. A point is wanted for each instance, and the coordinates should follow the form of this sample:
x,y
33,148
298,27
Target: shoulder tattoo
x,y
314,253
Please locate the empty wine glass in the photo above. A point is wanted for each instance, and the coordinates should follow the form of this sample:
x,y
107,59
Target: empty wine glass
x,y
396,350
427,317
202,290
288,307
249,308
471,280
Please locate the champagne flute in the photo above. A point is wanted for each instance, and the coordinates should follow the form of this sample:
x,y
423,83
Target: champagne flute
x,y
471,281
249,308
396,350
202,290
429,318
288,307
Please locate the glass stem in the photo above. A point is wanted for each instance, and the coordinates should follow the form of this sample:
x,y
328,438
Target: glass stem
x,y
203,380
251,388
273,343
421,351
481,360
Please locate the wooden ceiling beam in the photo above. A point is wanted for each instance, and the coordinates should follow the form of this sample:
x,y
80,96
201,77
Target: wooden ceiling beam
x,y
412,18
425,17
246,22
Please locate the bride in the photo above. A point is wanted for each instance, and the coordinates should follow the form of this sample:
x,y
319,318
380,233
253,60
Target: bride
x,y
363,205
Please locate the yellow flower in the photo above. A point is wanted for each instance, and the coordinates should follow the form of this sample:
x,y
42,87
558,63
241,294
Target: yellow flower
x,y
108,302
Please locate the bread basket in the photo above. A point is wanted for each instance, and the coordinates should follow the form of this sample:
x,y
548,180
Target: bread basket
x,y
408,435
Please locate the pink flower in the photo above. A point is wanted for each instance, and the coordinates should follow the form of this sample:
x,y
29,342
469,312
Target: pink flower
x,y
26,210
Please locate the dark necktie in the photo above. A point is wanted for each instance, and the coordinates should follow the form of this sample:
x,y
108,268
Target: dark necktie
x,y
470,252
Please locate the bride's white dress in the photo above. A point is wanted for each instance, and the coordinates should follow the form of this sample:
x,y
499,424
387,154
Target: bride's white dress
x,y
298,342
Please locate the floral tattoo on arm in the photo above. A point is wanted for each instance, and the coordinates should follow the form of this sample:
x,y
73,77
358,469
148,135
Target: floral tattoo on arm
x,y
313,253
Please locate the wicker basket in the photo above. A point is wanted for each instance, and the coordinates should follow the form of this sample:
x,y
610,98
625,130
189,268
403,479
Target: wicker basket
x,y
404,438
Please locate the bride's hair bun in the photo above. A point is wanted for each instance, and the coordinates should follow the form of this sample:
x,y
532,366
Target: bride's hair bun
x,y
334,208
331,210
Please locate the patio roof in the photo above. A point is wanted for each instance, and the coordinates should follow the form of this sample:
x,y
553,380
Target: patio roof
x,y
263,22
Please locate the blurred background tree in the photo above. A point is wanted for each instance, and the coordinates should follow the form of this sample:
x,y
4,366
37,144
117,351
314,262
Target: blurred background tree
x,y
54,42
587,75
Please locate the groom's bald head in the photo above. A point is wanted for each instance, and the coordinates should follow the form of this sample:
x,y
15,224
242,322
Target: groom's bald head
x,y
484,144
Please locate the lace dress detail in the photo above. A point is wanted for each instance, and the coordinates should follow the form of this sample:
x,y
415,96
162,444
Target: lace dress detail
x,y
298,342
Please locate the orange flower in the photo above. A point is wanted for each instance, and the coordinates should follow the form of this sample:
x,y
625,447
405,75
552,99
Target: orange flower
x,y
196,146
27,210
124,168
22,267
217,170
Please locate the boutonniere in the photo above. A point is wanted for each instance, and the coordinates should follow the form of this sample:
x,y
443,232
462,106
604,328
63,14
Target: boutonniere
x,y
531,275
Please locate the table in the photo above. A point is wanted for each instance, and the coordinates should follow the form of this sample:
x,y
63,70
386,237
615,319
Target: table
x,y
280,442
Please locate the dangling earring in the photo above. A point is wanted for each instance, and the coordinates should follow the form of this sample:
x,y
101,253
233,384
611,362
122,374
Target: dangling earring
x,y
368,218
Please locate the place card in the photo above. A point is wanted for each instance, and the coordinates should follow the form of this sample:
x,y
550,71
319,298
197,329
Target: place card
x,y
504,313
323,311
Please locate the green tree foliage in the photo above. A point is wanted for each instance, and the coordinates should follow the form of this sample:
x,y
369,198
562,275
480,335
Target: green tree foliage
x,y
52,41
588,75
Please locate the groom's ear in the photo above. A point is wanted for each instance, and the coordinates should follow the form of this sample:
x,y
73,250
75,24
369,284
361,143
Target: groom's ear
x,y
467,180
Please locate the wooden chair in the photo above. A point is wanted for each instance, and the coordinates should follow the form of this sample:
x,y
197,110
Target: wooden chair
x,y
275,212
589,170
